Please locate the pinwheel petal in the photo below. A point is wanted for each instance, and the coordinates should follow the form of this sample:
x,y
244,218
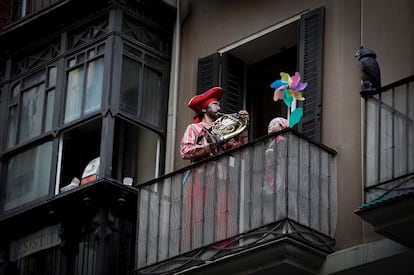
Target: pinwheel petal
x,y
278,83
278,94
285,77
295,116
299,86
296,95
295,79
287,98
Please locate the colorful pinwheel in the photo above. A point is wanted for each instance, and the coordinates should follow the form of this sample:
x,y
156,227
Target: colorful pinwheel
x,y
289,89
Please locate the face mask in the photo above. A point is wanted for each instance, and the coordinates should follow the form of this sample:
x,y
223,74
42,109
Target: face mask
x,y
214,107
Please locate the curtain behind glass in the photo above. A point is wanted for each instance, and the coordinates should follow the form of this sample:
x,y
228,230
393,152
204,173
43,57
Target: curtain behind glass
x,y
74,94
130,86
93,92
31,113
152,100
12,126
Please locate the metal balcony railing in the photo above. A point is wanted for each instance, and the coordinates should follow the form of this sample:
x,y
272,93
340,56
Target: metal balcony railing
x,y
265,190
389,141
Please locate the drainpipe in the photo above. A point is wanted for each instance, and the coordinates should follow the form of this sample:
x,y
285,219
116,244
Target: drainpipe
x,y
175,67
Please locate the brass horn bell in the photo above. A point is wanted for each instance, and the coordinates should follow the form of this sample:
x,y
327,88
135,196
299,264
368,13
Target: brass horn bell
x,y
228,126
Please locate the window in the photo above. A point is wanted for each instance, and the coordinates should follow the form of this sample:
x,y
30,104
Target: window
x,y
84,83
28,175
143,101
143,95
136,153
259,76
78,147
246,70
31,106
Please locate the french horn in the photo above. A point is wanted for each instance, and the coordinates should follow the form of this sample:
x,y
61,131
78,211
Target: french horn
x,y
228,126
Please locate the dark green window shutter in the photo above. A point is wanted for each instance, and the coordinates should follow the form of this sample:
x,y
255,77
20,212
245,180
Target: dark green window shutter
x,y
208,72
232,79
232,83
310,68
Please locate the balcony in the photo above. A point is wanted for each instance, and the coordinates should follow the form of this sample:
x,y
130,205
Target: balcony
x,y
389,162
268,203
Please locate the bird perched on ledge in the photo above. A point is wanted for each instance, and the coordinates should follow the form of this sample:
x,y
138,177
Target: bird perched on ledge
x,y
369,71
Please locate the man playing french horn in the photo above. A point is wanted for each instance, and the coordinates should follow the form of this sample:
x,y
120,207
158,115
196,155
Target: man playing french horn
x,y
199,141
205,186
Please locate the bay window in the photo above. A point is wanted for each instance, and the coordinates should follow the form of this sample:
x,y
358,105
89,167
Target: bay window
x,y
53,93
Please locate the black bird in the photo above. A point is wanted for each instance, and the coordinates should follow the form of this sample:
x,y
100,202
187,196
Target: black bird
x,y
369,71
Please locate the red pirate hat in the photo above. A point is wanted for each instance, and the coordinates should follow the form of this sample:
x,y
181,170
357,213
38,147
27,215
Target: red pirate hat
x,y
199,102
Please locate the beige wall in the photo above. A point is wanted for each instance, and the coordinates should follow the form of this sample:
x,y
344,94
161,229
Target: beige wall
x,y
387,28
214,24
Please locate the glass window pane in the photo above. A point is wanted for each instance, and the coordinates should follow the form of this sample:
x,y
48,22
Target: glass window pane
x,y
71,62
152,98
91,53
49,110
28,176
31,113
80,58
12,127
131,143
101,49
34,79
153,62
133,51
130,86
52,77
94,86
74,94
15,94
147,145
79,146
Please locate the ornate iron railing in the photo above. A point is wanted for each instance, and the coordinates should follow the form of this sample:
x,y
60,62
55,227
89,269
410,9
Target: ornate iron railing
x,y
259,192
389,141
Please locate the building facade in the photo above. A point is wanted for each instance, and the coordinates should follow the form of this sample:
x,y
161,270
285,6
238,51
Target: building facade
x,y
93,105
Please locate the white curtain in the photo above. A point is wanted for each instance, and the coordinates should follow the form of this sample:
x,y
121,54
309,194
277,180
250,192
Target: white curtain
x,y
74,95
